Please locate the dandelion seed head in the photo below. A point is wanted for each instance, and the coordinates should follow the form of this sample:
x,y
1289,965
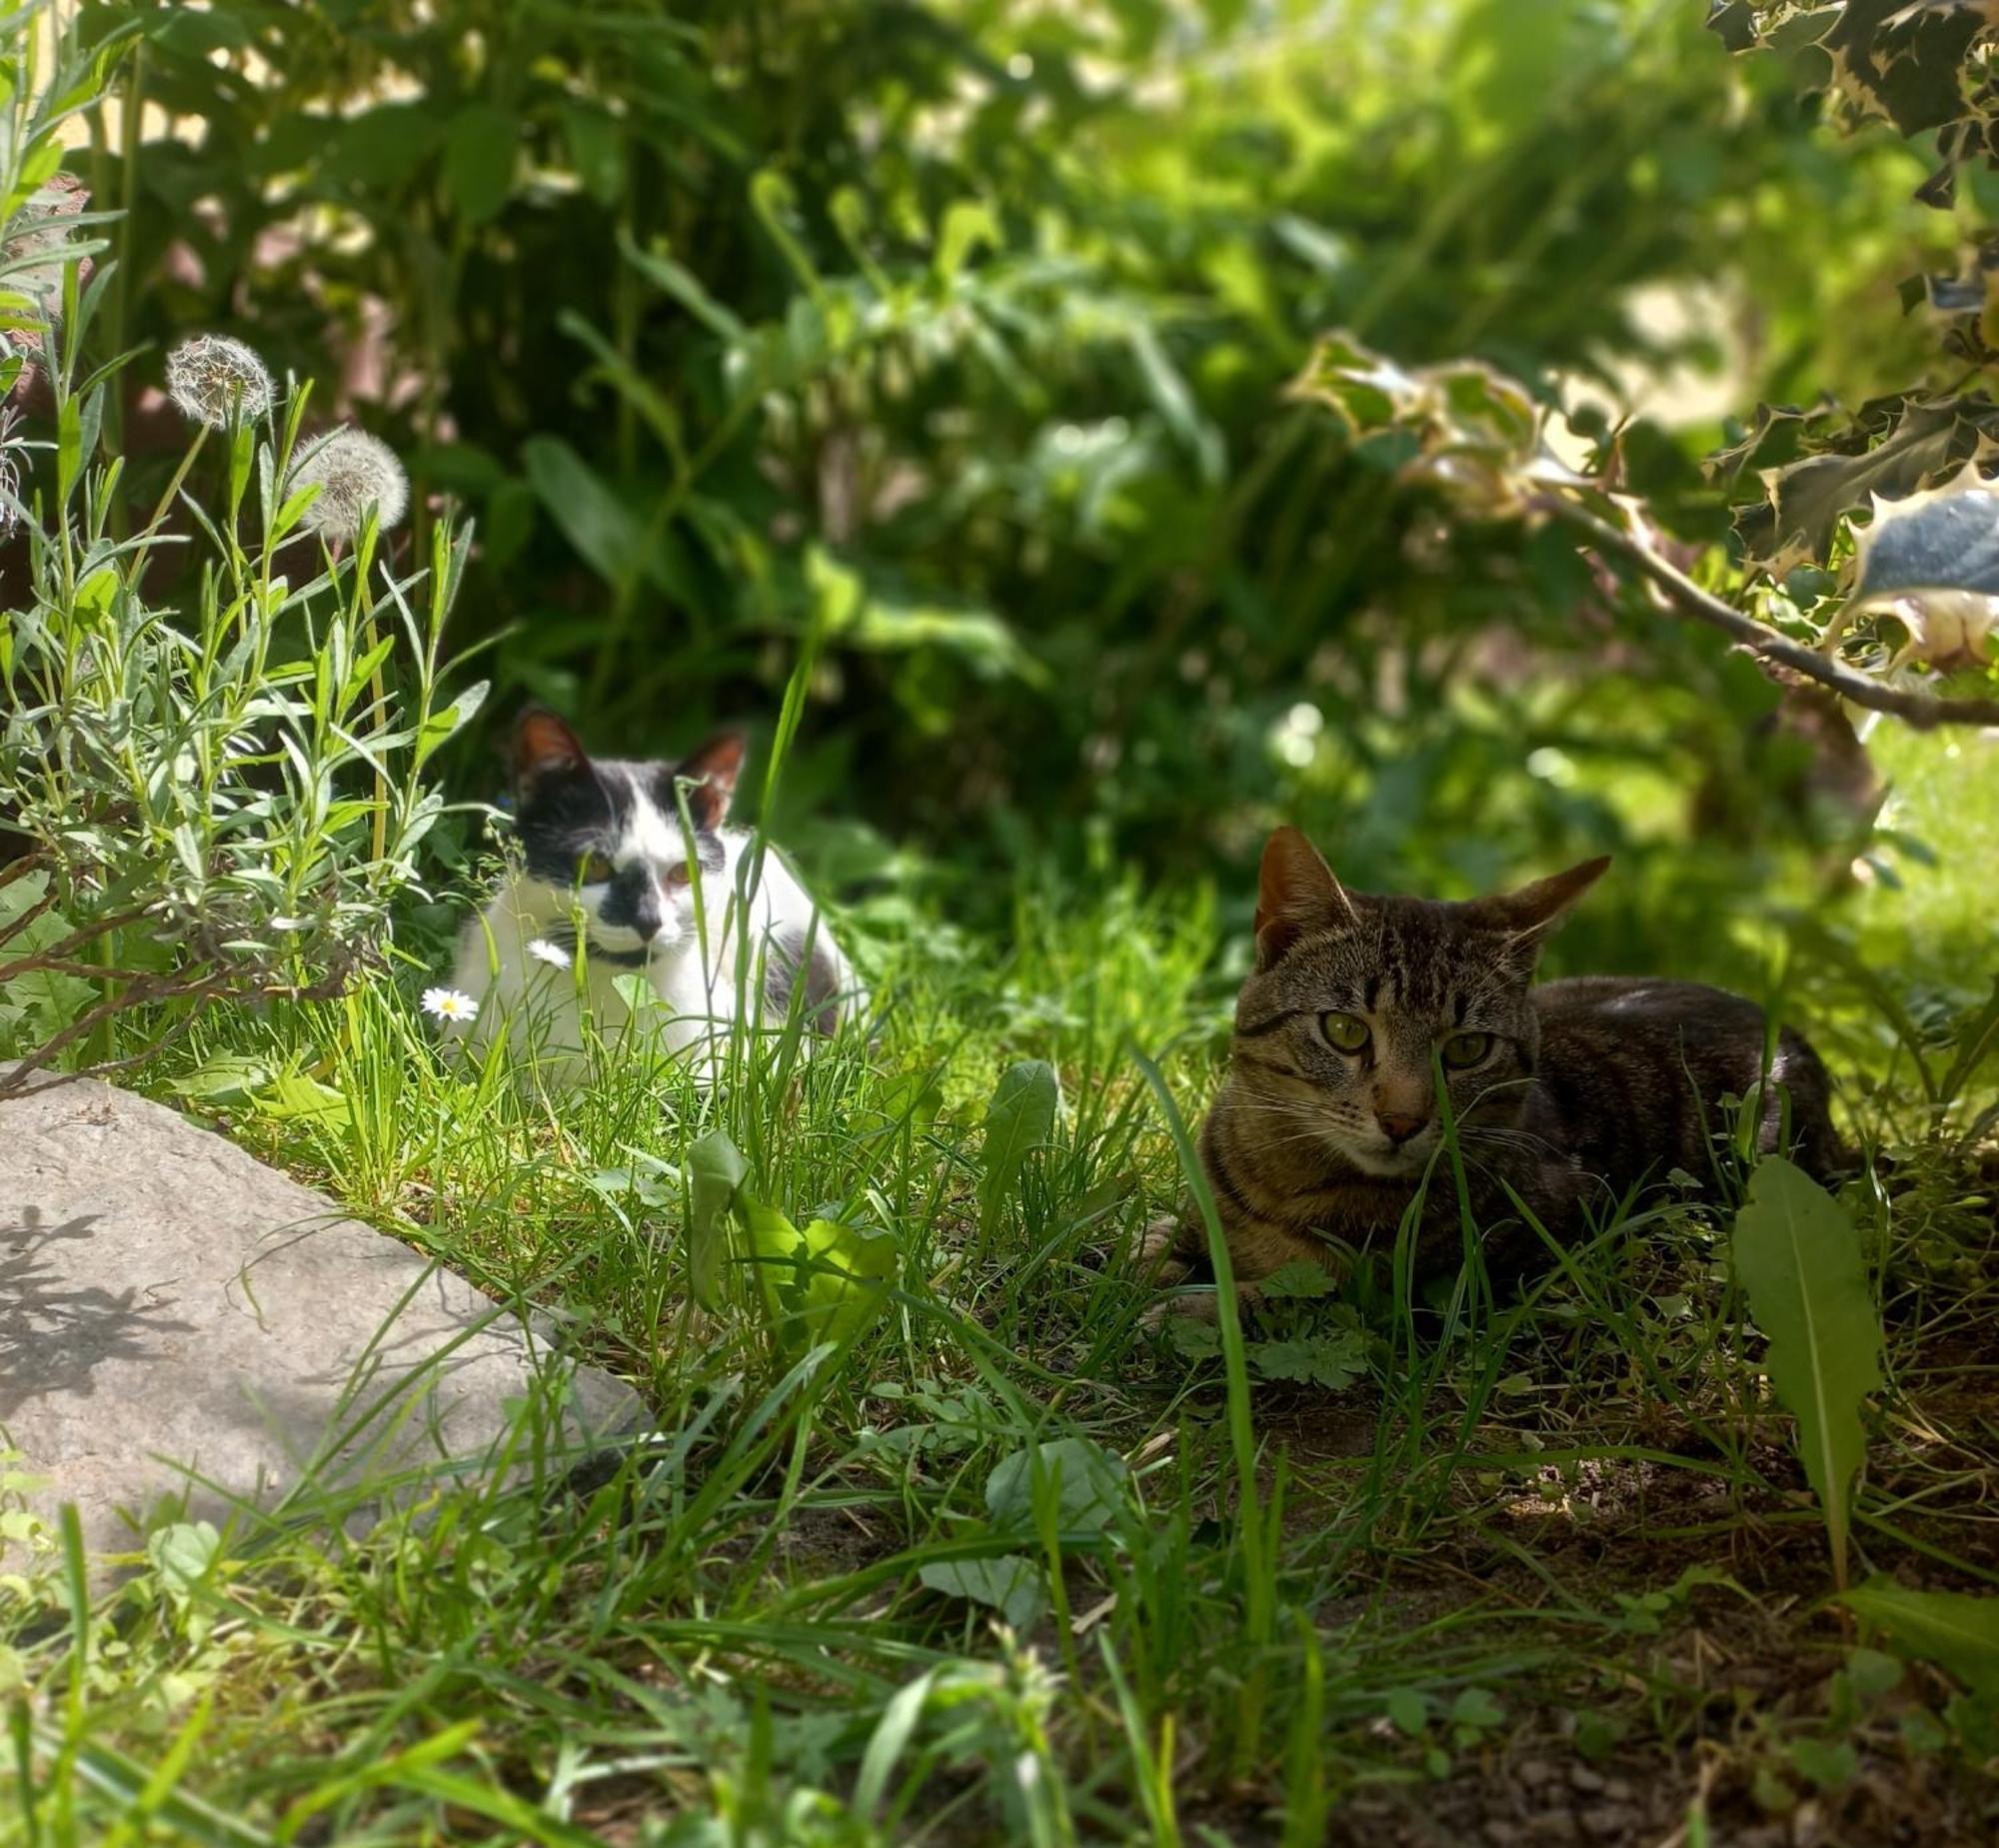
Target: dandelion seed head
x,y
449,1004
552,953
214,378
353,471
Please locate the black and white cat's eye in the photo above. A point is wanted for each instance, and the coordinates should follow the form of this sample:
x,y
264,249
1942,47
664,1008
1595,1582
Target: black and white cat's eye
x,y
1345,1032
1462,1050
596,870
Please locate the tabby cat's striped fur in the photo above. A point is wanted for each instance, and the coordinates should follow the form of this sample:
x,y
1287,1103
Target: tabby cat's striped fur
x,y
1571,1092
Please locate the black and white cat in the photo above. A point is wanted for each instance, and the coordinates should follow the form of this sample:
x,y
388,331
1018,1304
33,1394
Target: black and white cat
x,y
604,879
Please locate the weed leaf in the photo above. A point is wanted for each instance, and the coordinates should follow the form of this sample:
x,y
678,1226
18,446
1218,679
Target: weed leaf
x,y
1956,1630
715,1172
1798,1256
1333,1360
821,1285
1021,1118
1010,1584
1088,1482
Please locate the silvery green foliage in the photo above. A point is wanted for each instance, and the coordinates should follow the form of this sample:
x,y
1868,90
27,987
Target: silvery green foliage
x,y
223,793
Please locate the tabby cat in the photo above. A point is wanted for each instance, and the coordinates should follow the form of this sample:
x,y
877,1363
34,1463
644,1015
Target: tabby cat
x,y
1571,1092
608,883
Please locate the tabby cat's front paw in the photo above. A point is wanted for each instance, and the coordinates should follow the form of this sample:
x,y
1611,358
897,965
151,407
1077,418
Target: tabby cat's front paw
x,y
1166,1253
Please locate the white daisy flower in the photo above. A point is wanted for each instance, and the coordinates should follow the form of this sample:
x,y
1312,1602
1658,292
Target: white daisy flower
x,y
449,1004
554,955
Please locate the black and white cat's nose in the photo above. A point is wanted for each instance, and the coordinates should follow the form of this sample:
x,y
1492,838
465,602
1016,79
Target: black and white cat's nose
x,y
1399,1128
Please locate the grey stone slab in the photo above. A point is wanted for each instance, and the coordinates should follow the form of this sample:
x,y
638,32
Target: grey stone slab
x,y
169,1304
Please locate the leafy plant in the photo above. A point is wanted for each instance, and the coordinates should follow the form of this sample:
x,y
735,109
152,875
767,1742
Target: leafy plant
x,y
822,1284
967,309
1797,1253
1480,439
216,725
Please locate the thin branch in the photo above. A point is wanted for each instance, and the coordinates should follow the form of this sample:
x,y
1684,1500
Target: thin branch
x,y
1912,704
14,1080
64,965
76,940
147,990
14,925
19,868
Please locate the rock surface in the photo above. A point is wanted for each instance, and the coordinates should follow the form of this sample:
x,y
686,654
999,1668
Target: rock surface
x,y
170,1305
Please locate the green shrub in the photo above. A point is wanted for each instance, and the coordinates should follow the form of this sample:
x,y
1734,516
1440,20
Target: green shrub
x,y
215,724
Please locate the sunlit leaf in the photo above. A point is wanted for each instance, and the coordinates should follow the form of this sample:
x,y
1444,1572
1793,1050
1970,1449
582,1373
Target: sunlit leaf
x,y
1019,1119
822,1284
1797,1253
716,1171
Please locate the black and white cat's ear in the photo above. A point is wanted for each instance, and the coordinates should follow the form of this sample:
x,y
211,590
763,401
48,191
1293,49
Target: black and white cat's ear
x,y
544,747
1295,892
1530,915
712,769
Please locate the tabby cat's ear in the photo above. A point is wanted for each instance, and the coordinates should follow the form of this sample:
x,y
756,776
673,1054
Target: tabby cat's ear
x,y
1295,892
1531,913
542,747
713,768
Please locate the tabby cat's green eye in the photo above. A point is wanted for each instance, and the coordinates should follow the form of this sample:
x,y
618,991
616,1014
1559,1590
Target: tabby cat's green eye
x,y
1467,1049
596,869
1345,1032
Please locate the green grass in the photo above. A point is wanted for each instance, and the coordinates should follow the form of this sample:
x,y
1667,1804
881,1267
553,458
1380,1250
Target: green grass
x,y
1550,1553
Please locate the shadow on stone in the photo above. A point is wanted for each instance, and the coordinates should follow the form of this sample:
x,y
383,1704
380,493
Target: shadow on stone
x,y
53,1336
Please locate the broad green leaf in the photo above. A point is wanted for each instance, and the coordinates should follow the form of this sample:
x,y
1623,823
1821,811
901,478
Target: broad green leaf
x,y
1409,1708
228,1077
716,1172
824,1284
1088,1481
1333,1360
380,149
479,160
182,1556
291,1097
969,224
50,1001
1957,1631
1010,1584
686,288
1021,1118
596,150
978,638
592,519
1798,1256
1299,1278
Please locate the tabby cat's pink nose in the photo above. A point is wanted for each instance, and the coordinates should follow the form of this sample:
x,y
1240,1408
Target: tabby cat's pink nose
x,y
1398,1129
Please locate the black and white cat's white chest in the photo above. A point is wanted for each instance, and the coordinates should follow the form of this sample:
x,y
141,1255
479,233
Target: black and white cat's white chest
x,y
628,869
